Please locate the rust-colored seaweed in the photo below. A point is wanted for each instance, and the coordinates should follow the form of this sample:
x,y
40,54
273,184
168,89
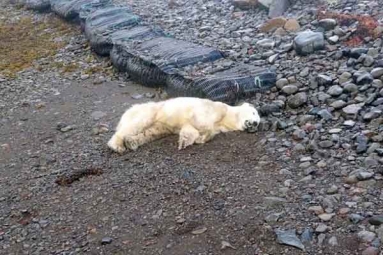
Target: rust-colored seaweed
x,y
365,28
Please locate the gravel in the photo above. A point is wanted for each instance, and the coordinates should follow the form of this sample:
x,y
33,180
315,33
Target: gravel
x,y
311,175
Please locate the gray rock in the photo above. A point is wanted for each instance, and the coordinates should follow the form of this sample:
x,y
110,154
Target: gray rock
x,y
350,87
266,43
290,89
333,39
349,123
274,200
338,104
321,228
245,4
366,236
325,144
357,52
352,109
344,77
324,80
373,147
137,96
297,100
273,218
307,235
333,241
304,72
376,220
335,90
308,42
377,72
361,144
355,218
278,7
363,78
368,61
289,237
362,176
327,24
97,115
372,115
370,162
370,251
321,238
281,83
106,240
325,114
332,190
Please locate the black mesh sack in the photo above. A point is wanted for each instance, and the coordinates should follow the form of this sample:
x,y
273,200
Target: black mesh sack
x,y
101,24
103,43
38,5
88,8
69,9
229,86
150,62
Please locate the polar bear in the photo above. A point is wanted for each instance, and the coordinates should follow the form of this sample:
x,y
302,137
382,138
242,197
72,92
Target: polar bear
x,y
195,120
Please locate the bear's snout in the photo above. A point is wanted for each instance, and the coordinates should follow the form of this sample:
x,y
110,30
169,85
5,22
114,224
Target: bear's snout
x,y
251,126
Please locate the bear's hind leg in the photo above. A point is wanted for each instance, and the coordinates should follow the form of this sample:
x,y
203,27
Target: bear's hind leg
x,y
205,137
133,122
155,132
188,135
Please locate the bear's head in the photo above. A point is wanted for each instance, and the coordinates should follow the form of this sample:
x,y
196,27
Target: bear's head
x,y
248,117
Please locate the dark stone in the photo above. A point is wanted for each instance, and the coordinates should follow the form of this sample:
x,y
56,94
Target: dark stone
x,y
376,220
106,240
308,42
357,52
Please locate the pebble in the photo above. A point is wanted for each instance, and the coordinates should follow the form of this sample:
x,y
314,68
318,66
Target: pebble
x,y
321,228
316,209
321,238
307,235
290,89
308,42
327,24
352,109
289,237
370,251
106,240
324,80
199,231
377,72
326,216
333,241
97,115
355,218
362,176
335,90
376,220
297,100
366,236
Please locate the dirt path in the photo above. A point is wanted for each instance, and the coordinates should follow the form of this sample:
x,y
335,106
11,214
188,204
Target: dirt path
x,y
210,199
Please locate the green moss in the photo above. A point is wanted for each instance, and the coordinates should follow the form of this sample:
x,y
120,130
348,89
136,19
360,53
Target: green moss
x,y
26,41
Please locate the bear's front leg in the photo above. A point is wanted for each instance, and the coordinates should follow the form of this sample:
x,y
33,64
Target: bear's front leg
x,y
116,143
188,135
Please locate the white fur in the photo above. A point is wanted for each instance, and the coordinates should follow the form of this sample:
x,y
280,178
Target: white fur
x,y
195,120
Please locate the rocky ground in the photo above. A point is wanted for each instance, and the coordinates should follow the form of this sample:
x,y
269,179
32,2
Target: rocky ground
x,y
309,182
